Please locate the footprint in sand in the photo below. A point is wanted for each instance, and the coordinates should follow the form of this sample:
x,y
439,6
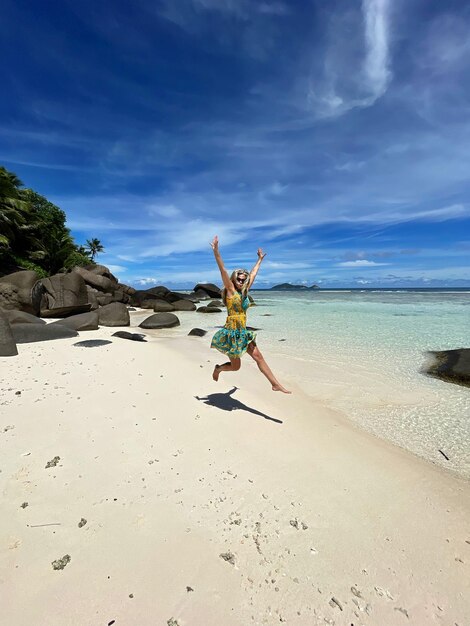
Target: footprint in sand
x,y
14,543
383,593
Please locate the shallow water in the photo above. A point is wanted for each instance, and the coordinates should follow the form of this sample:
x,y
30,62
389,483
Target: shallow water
x,y
363,352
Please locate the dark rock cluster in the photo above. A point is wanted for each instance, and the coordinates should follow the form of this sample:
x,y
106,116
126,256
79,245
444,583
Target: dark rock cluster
x,y
162,300
84,299
78,291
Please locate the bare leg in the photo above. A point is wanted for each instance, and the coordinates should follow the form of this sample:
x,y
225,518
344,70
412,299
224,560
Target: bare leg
x,y
233,366
255,353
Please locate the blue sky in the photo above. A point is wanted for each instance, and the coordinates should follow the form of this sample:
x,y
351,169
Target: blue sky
x,y
335,135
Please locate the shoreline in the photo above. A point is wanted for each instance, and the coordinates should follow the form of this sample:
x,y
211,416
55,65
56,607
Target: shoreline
x,y
315,518
340,390
257,382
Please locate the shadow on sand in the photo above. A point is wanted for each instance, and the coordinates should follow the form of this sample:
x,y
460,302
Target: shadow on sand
x,y
226,402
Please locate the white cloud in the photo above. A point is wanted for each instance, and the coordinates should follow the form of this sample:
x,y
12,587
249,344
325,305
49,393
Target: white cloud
x,y
359,263
376,34
150,280
444,213
191,235
430,215
287,266
117,269
42,164
357,61
123,257
350,166
276,189
168,210
188,277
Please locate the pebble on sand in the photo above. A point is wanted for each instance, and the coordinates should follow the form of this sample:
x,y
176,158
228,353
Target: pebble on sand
x,y
53,462
228,556
61,563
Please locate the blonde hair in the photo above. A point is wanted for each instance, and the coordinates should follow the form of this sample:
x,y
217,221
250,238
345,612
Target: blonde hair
x,y
233,275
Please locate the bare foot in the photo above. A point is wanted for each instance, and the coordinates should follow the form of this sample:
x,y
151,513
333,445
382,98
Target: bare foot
x,y
216,373
281,388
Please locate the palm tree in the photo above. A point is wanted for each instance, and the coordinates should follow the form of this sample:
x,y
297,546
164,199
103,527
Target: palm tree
x,y
94,246
83,251
13,210
9,183
52,254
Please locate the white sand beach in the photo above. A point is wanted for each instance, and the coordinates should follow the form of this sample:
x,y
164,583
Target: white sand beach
x,y
210,503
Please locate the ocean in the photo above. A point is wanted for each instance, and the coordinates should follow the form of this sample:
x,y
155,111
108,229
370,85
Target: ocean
x,y
363,353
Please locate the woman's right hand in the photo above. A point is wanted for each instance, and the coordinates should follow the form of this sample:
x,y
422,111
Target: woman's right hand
x,y
215,244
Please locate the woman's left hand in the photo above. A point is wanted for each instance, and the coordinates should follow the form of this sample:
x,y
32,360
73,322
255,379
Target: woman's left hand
x,y
261,254
215,244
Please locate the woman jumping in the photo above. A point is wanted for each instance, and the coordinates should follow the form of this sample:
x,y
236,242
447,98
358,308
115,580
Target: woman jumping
x,y
234,339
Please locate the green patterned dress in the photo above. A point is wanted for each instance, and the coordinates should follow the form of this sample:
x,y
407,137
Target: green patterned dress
x,y
233,339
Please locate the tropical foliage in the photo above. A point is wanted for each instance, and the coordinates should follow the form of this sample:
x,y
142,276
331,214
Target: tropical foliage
x,y
14,211
33,234
93,246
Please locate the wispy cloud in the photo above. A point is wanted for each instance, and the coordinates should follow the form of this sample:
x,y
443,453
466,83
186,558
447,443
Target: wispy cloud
x,y
242,26
293,265
359,263
445,46
117,269
167,210
357,64
433,215
376,67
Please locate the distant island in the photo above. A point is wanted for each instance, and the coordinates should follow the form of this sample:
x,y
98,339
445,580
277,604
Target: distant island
x,y
290,287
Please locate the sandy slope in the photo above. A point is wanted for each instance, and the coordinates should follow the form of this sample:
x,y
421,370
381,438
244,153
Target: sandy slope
x,y
171,470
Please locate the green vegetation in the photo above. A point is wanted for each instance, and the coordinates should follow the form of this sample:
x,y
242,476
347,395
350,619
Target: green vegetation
x,y
93,246
33,234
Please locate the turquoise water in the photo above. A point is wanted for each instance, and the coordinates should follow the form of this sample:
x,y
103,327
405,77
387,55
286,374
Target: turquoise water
x,y
363,353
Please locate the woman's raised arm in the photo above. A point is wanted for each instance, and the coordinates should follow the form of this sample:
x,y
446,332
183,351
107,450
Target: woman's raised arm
x,y
223,272
256,267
